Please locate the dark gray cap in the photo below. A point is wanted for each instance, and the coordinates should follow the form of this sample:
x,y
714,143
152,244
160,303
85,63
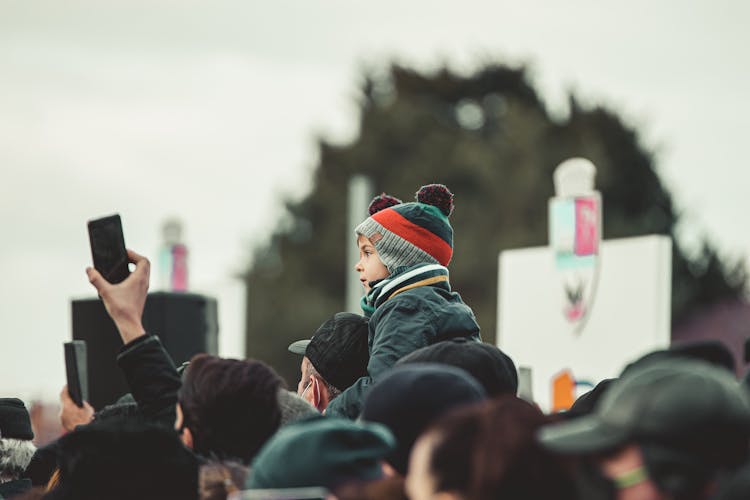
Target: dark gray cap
x,y
491,367
669,401
339,349
408,398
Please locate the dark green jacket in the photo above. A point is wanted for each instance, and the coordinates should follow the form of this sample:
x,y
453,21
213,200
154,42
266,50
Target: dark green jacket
x,y
409,310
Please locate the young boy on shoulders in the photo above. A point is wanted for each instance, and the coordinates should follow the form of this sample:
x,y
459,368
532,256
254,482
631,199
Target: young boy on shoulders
x,y
404,249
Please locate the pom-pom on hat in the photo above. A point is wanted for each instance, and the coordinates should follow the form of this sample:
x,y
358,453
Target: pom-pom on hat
x,y
382,202
405,234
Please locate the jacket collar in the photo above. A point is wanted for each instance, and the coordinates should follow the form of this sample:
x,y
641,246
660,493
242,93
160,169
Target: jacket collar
x,y
406,279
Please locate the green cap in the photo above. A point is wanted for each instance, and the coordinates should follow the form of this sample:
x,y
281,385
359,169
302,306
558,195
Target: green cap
x,y
321,451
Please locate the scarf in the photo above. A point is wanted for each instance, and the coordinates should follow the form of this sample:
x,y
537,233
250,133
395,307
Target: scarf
x,y
409,278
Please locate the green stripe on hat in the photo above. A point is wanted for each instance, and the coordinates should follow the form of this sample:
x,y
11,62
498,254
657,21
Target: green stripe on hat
x,y
428,217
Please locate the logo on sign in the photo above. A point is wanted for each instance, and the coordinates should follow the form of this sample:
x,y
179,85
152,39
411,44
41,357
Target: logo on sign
x,y
575,224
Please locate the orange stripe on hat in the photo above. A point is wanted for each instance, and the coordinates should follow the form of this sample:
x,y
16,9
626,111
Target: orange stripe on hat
x,y
415,234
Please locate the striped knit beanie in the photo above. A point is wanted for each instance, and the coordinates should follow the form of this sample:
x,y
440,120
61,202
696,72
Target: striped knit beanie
x,y
405,234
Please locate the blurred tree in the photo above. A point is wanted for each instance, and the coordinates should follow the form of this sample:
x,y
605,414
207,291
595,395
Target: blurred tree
x,y
490,138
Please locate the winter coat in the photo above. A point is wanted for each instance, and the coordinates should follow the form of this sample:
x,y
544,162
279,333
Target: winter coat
x,y
409,310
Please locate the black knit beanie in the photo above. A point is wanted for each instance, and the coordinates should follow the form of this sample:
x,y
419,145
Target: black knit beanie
x,y
14,420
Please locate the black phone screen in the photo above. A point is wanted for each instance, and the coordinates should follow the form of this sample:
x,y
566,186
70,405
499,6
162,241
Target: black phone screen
x,y
76,371
108,248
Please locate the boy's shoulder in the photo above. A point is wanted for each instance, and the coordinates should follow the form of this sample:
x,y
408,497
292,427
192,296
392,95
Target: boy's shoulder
x,y
423,300
430,313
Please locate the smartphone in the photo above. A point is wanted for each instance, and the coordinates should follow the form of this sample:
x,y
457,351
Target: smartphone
x,y
76,371
108,248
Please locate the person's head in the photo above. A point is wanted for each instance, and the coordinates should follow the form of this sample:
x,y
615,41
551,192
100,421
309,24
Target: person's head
x,y
399,235
487,451
124,458
665,429
16,448
321,452
491,367
586,403
228,408
334,358
713,352
410,397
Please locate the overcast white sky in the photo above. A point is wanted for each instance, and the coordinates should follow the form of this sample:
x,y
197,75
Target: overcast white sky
x,y
209,111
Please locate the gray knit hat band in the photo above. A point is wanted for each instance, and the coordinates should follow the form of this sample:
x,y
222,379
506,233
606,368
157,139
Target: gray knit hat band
x,y
394,251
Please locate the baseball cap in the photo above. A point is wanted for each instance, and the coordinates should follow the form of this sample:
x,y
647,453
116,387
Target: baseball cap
x,y
666,401
339,349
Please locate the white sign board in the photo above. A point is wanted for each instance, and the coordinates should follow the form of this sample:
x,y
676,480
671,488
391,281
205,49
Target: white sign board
x,y
629,315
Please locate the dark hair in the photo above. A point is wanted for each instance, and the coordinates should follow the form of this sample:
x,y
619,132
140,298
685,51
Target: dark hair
x,y
489,451
230,406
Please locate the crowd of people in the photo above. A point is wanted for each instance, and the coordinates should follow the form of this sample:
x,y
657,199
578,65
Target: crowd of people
x,y
404,401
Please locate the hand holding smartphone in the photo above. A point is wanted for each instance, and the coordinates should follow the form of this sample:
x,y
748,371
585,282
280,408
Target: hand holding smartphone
x,y
108,248
124,296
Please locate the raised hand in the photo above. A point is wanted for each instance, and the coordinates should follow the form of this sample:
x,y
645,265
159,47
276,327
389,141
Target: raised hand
x,y
72,415
125,301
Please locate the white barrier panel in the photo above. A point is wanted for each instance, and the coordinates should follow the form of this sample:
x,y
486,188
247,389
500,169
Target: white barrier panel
x,y
629,315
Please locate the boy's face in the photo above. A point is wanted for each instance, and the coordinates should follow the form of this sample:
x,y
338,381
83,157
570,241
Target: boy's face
x,y
369,267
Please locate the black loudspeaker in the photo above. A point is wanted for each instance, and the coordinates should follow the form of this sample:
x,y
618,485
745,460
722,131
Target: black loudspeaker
x,y
186,323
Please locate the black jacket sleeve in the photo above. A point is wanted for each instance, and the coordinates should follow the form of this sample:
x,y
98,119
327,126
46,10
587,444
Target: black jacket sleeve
x,y
152,378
